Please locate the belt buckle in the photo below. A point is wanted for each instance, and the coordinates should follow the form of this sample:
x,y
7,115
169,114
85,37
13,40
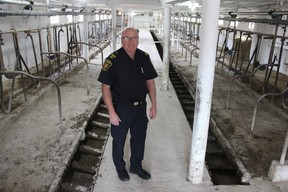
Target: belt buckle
x,y
136,103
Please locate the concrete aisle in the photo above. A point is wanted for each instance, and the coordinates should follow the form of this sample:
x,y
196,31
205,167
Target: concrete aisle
x,y
168,142
167,148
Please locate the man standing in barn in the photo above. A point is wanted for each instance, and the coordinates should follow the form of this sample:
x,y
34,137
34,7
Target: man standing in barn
x,y
127,76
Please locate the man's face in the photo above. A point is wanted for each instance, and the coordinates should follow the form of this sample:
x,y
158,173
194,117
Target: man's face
x,y
130,40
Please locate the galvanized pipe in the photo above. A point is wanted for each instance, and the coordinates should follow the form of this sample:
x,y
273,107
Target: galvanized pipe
x,y
34,52
40,47
258,13
37,4
284,150
267,77
256,33
264,21
279,61
58,45
283,102
1,69
191,53
83,43
258,101
249,75
183,45
39,78
75,56
36,13
4,13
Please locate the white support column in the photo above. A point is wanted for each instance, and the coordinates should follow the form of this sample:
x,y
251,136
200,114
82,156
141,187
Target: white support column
x,y
49,42
204,89
85,37
178,31
114,17
156,20
173,28
166,50
129,19
122,20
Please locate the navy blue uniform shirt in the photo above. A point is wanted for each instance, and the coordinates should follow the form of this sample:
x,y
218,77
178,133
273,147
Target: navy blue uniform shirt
x,y
127,77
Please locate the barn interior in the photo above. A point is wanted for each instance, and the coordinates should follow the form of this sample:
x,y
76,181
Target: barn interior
x,y
54,126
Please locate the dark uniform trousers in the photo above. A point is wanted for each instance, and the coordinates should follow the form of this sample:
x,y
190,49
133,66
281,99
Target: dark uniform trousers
x,y
133,115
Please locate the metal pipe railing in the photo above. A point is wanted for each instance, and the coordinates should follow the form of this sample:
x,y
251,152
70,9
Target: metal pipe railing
x,y
258,101
39,78
75,56
183,45
191,53
264,21
57,5
284,150
92,45
4,13
37,4
241,76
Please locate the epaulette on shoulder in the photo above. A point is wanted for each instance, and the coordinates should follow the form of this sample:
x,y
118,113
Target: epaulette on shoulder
x,y
113,55
145,53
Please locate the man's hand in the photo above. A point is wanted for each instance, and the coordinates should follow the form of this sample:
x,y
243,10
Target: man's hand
x,y
153,112
114,119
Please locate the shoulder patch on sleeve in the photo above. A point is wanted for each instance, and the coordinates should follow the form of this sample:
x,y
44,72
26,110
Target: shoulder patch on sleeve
x,y
107,63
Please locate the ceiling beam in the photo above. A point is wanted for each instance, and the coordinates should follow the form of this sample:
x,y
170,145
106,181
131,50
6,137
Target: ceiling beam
x,y
173,2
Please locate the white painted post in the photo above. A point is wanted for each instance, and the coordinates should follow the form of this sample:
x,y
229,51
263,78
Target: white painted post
x,y
122,20
114,17
49,43
173,29
178,31
85,37
166,50
204,89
